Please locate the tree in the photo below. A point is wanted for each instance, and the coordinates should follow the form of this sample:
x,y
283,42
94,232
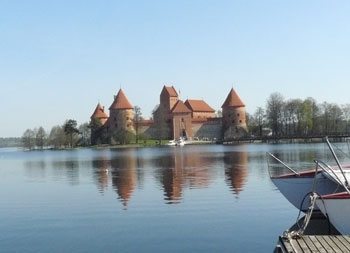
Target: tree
x,y
40,138
70,129
123,136
274,112
137,119
96,131
259,116
85,134
346,114
57,137
28,139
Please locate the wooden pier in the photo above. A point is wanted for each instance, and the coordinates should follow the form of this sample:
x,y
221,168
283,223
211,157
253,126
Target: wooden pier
x,y
314,243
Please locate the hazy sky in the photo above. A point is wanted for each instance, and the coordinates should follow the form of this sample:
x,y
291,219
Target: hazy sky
x,y
59,58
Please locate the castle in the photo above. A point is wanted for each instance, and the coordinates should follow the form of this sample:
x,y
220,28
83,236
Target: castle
x,y
172,119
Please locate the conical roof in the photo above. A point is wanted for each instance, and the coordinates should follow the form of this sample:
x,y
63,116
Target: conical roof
x,y
99,112
233,100
121,101
180,107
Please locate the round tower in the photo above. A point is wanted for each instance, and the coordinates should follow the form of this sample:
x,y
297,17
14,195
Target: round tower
x,y
233,117
121,114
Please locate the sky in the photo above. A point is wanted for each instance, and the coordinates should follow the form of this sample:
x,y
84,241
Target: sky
x,y
58,59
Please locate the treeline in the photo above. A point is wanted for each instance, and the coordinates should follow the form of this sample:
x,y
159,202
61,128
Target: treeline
x,y
297,117
10,142
61,136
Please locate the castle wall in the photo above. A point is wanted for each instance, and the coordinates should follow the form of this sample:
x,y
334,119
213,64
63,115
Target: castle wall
x,y
207,129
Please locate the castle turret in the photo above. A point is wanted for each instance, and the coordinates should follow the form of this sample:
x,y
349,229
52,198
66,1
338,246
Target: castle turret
x,y
121,114
99,114
233,117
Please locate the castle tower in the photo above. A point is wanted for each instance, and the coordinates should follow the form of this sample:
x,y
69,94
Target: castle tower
x,y
168,98
99,114
181,121
121,114
98,120
233,117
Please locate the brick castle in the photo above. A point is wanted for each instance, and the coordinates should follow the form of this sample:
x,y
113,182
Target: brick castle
x,y
173,118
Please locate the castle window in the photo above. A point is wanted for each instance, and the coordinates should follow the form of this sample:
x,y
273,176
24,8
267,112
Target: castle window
x,y
182,119
237,114
233,121
116,125
127,118
115,118
240,121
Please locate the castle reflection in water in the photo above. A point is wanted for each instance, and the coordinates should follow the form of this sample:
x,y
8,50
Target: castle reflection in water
x,y
173,170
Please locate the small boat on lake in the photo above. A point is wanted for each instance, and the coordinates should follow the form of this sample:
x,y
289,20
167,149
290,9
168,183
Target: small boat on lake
x,y
296,186
337,208
179,142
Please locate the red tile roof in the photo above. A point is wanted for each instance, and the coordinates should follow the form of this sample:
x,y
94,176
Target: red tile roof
x,y
171,91
121,101
180,107
99,112
233,100
198,106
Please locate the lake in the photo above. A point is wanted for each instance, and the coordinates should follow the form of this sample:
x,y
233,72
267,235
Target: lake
x,y
205,198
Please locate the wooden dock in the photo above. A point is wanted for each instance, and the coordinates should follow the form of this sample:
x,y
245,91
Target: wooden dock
x,y
314,243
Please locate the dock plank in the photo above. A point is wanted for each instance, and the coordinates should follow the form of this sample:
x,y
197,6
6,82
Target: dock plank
x,y
286,245
317,244
342,243
303,245
310,244
325,244
295,245
331,243
347,238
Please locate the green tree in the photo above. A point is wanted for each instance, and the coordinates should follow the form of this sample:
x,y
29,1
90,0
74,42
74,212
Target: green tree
x,y
28,139
71,130
123,136
40,137
137,119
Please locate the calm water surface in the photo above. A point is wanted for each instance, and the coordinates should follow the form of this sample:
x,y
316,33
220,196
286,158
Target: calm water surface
x,y
209,198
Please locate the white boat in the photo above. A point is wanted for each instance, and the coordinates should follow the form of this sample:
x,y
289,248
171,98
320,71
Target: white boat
x,y
180,142
171,143
337,208
296,188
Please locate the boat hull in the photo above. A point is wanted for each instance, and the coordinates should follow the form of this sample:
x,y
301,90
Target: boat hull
x,y
296,188
337,207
